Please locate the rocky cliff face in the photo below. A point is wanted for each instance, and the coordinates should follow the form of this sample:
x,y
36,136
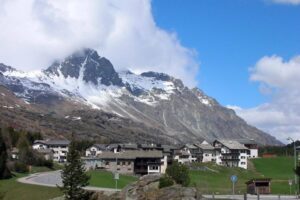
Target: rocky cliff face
x,y
152,106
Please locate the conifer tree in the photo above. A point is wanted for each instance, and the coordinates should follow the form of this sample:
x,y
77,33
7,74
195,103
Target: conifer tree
x,y
4,171
73,176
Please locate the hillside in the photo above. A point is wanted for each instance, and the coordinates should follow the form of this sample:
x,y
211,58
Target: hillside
x,y
85,94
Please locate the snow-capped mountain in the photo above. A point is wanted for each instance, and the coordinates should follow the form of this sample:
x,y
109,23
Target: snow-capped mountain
x,y
153,100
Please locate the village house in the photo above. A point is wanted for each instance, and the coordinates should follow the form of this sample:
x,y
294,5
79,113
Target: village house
x,y
207,151
95,150
58,147
187,154
128,162
252,147
230,153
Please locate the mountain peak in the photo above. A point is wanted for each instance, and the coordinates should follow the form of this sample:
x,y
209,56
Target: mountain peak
x,y
88,66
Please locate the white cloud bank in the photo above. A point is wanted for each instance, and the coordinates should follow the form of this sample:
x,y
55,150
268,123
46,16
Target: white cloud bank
x,y
281,116
290,2
35,32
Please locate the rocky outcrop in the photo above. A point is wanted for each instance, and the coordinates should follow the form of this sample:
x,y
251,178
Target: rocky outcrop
x,y
146,188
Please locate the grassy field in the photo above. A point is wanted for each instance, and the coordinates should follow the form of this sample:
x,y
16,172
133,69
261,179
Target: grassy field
x,y
12,190
105,179
218,181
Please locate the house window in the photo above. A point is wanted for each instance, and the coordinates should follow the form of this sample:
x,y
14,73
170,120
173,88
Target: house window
x,y
243,157
243,163
123,163
106,163
118,163
206,155
153,167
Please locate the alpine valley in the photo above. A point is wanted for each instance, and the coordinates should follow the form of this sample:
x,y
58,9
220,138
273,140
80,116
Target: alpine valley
x,y
85,95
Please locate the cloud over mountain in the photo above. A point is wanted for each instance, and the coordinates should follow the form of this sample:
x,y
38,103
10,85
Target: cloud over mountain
x,y
281,79
34,32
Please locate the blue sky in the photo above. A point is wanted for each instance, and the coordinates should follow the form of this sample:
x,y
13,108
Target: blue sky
x,y
230,36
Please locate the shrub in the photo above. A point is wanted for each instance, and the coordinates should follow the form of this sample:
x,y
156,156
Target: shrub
x,y
20,167
179,173
165,181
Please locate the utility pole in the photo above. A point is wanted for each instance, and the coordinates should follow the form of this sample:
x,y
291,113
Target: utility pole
x,y
295,157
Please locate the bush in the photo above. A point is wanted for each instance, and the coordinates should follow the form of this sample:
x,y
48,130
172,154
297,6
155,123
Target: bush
x,y
179,173
20,167
165,181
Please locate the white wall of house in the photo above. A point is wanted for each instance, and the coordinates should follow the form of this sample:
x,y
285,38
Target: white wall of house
x,y
39,146
164,164
92,151
154,169
60,153
253,153
209,156
243,159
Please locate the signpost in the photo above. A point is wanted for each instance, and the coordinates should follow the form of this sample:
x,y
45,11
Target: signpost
x,y
290,184
116,177
233,179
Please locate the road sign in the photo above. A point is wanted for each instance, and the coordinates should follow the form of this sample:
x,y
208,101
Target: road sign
x,y
233,178
116,176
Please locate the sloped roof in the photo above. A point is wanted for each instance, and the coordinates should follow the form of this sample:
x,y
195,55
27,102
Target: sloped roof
x,y
52,142
205,146
133,154
232,144
246,141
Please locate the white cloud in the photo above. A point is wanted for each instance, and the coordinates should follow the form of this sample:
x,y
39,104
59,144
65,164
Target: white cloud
x,y
281,116
290,2
34,32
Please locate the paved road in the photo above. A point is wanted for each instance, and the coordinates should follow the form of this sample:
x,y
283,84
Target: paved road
x,y
252,197
52,179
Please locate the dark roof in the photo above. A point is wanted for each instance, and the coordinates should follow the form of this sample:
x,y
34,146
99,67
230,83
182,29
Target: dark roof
x,y
257,180
246,141
232,144
100,146
53,142
205,146
131,154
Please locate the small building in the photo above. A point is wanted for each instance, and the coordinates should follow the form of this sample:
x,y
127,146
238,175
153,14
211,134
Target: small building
x,y
259,186
269,155
128,162
95,150
230,153
46,153
15,153
252,147
207,152
187,154
59,147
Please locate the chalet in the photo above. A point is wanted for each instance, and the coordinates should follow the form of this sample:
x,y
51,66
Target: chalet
x,y
207,152
251,145
128,162
187,154
59,148
95,150
230,153
259,186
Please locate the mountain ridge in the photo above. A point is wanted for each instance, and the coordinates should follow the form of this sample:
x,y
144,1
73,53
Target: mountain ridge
x,y
156,100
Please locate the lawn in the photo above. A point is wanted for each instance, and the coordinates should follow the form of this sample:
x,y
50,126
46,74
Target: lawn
x,y
218,181
105,179
13,190
278,169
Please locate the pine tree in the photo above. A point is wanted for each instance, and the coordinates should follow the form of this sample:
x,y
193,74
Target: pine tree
x,y
4,171
74,177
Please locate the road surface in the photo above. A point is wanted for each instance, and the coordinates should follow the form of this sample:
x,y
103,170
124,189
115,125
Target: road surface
x,y
53,179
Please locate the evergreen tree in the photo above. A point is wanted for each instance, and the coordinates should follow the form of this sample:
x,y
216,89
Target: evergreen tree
x,y
73,176
4,171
